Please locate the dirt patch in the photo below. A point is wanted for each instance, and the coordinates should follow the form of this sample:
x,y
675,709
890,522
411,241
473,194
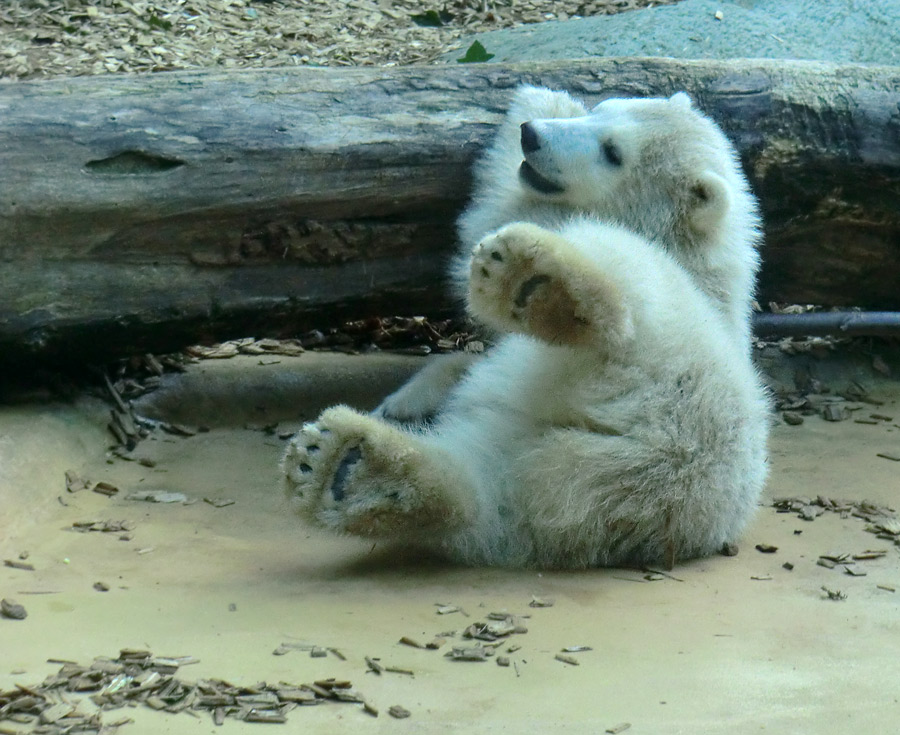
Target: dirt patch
x,y
46,38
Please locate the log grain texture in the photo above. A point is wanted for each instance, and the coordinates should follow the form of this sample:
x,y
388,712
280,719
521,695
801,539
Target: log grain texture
x,y
144,212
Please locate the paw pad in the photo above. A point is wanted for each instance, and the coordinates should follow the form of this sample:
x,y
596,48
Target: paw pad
x,y
527,289
352,456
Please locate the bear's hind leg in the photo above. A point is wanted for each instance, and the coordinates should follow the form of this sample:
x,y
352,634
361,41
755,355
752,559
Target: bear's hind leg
x,y
526,279
356,474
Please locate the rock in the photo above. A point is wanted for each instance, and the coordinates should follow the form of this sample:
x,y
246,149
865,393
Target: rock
x,y
827,30
12,609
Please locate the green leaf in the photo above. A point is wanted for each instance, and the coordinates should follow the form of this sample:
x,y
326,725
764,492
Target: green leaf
x,y
432,18
475,55
154,21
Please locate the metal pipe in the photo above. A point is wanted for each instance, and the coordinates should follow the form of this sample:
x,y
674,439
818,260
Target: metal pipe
x,y
828,323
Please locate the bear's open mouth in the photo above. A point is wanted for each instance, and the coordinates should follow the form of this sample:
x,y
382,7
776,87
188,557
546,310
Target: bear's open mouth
x,y
537,181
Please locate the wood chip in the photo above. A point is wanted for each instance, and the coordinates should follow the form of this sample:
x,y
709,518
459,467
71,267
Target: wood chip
x,y
374,666
835,556
157,496
19,565
502,661
370,708
766,548
398,670
870,554
101,586
729,550
541,602
886,587
566,659
810,512
576,649
398,712
833,594
56,712
105,488
219,502
289,646
621,727
835,412
407,641
179,429
74,483
298,695
893,456
274,716
467,653
104,526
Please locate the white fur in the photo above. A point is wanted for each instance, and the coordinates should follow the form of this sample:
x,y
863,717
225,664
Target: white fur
x,y
620,419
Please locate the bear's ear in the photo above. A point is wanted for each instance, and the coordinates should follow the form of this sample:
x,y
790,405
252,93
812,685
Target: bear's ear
x,y
681,99
708,201
537,103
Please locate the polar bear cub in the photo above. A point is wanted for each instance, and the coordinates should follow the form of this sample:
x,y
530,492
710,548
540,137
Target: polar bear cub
x,y
618,419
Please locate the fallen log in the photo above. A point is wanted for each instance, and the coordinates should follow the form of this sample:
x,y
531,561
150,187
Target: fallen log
x,y
143,212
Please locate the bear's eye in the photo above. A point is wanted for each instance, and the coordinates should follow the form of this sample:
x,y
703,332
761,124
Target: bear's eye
x,y
612,153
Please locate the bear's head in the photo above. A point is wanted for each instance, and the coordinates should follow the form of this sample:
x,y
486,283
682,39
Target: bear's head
x,y
655,166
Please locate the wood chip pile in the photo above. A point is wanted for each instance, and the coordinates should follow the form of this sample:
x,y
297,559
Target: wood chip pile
x,y
44,38
140,678
411,335
880,520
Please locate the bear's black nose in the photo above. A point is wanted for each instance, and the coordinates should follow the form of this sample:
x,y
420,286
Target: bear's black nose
x,y
530,142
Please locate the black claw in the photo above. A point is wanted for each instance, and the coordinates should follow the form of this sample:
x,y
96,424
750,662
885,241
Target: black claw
x,y
496,256
312,448
484,272
304,468
352,456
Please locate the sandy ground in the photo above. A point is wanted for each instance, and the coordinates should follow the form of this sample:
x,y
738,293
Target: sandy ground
x,y
715,651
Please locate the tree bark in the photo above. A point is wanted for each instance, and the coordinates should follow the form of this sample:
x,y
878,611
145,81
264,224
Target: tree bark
x,y
141,212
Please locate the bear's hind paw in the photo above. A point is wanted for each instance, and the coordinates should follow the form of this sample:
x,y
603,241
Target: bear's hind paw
x,y
316,465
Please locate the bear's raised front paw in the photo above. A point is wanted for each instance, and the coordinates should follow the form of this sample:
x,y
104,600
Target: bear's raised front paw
x,y
517,283
503,269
